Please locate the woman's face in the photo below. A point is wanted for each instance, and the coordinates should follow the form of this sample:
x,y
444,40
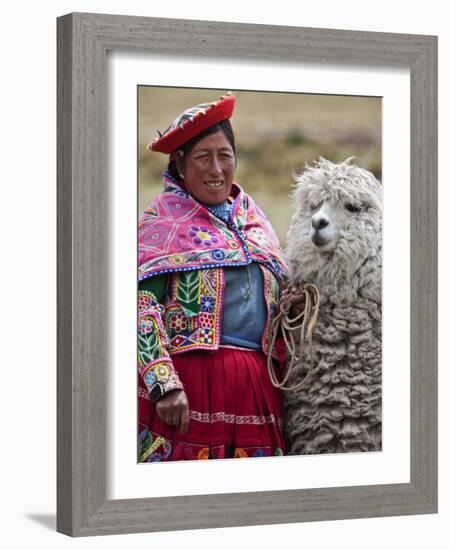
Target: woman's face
x,y
208,169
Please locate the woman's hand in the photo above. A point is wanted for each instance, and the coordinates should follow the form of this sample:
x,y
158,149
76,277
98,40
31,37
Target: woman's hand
x,y
173,409
297,301
296,297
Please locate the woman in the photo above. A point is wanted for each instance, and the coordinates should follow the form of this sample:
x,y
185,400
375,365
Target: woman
x,y
210,268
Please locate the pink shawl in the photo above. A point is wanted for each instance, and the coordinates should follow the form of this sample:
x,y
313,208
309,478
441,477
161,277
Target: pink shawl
x,y
177,233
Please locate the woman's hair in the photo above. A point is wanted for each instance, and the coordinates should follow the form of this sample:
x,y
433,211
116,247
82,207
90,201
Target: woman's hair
x,y
223,126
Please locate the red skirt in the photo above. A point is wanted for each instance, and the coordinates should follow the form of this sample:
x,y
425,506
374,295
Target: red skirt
x,y
234,410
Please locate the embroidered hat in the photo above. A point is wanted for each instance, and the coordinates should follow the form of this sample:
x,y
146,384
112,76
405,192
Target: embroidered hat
x,y
192,122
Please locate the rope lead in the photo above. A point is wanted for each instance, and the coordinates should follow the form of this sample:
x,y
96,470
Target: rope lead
x,y
309,319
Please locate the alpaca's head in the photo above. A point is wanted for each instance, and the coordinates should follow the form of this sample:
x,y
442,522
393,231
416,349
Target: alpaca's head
x,y
337,215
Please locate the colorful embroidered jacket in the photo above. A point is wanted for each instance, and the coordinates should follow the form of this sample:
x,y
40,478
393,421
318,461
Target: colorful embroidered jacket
x,y
182,311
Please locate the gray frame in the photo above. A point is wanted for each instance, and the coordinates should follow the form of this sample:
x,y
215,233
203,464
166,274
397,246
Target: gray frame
x,y
83,40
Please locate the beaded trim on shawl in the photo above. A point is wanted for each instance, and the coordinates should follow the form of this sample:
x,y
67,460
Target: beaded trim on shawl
x,y
177,233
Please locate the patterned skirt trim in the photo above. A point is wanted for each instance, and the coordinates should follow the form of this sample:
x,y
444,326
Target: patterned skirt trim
x,y
156,448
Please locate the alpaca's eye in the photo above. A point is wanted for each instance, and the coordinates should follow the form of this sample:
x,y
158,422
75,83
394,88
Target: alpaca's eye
x,y
313,206
352,207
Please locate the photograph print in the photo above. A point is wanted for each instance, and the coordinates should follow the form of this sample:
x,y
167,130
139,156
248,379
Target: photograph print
x,y
259,274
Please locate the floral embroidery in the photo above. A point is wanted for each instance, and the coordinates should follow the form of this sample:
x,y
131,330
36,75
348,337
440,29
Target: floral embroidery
x,y
147,303
157,233
207,304
144,300
162,376
162,372
203,454
178,205
178,322
145,326
240,453
150,378
177,259
233,244
258,236
218,255
202,236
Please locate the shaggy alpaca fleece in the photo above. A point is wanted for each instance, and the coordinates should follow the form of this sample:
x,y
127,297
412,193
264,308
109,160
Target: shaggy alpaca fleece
x,y
339,408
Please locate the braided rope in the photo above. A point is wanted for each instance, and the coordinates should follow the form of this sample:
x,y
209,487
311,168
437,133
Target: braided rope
x,y
309,318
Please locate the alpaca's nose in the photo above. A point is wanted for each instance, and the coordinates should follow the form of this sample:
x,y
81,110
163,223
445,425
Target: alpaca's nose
x,y
319,223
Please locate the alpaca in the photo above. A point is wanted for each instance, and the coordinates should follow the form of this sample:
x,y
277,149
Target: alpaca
x,y
335,242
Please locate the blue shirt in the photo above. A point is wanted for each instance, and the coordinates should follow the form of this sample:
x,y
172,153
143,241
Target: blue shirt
x,y
244,309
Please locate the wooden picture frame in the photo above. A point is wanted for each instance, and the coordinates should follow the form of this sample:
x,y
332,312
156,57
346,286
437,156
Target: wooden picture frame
x,y
83,40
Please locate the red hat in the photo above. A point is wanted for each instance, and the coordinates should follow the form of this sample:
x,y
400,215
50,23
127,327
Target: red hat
x,y
192,122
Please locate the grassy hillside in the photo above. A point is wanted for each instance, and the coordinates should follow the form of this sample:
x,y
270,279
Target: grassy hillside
x,y
276,133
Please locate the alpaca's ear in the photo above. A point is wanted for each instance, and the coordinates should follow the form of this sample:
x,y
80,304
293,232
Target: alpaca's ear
x,y
296,177
323,164
296,185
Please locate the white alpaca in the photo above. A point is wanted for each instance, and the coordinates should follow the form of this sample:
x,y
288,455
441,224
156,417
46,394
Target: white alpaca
x,y
335,242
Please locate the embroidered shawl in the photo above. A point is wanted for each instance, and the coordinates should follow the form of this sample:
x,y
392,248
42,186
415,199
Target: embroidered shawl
x,y
178,233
